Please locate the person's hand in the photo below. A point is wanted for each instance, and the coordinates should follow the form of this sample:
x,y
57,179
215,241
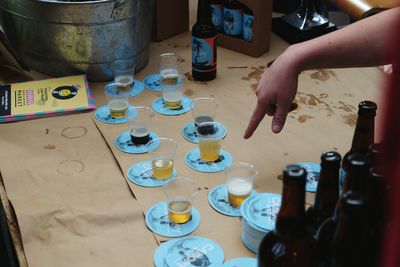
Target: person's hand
x,y
275,94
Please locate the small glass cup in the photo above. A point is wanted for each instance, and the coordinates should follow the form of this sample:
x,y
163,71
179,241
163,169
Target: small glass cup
x,y
124,73
203,110
180,193
118,101
169,66
172,92
138,122
239,182
210,135
162,152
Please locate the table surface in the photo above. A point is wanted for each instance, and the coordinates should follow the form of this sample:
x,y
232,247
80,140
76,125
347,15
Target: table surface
x,y
92,182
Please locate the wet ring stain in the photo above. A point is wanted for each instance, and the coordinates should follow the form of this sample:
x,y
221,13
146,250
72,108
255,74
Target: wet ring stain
x,y
70,166
74,132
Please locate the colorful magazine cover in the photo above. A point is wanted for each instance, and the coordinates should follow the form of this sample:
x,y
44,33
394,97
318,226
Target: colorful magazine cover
x,y
45,98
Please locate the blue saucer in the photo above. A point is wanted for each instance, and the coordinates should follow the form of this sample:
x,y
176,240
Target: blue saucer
x,y
159,107
241,262
313,170
189,132
218,199
123,142
189,251
103,114
142,174
193,160
152,82
157,221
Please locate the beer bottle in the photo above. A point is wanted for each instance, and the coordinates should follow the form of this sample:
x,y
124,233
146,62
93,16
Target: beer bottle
x,y
248,24
376,200
351,244
217,11
233,18
356,179
363,134
289,244
204,45
327,194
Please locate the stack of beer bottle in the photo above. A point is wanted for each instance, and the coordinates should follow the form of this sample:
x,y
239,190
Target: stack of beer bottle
x,y
345,225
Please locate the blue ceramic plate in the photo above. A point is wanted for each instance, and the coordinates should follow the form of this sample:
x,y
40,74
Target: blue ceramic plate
x,y
141,174
193,160
218,199
123,142
157,221
313,170
103,114
159,107
189,132
152,82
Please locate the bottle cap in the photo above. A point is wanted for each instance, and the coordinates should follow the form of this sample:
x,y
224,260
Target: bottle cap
x,y
367,108
331,159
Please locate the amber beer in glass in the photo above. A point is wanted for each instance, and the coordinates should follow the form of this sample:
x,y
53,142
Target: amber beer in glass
x,y
117,100
172,92
210,136
239,182
162,152
180,193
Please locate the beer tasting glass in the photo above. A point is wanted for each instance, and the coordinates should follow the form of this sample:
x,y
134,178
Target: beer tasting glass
x,y
172,92
169,67
162,152
239,182
117,100
124,70
210,136
180,193
138,122
203,110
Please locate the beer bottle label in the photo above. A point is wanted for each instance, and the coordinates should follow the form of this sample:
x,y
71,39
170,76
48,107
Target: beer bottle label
x,y
248,27
204,54
233,21
216,16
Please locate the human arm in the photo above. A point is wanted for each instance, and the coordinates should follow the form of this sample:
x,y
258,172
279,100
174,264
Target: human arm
x,y
361,44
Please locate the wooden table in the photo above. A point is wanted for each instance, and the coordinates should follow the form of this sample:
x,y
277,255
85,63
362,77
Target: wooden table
x,y
324,121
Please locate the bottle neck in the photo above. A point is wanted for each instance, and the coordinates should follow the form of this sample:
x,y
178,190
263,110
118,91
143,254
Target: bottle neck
x,y
203,12
291,212
327,192
363,134
356,179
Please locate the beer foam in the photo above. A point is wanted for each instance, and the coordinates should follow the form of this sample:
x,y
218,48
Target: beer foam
x,y
239,187
140,132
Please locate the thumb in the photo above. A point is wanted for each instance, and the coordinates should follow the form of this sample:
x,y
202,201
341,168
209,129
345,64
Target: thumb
x,y
279,119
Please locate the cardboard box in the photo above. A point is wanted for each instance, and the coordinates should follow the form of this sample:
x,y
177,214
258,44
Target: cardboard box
x,y
171,18
262,10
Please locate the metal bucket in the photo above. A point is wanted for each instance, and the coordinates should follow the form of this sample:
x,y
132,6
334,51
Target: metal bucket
x,y
59,37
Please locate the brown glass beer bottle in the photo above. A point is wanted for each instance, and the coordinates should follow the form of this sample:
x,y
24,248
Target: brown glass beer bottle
x,y
289,244
351,243
363,134
327,193
204,44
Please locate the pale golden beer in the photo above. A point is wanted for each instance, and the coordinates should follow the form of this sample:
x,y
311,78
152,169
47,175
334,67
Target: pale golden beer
x,y
238,190
209,149
180,210
162,168
117,108
124,83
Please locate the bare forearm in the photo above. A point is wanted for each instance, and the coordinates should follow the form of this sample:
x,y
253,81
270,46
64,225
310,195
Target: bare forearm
x,y
361,44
